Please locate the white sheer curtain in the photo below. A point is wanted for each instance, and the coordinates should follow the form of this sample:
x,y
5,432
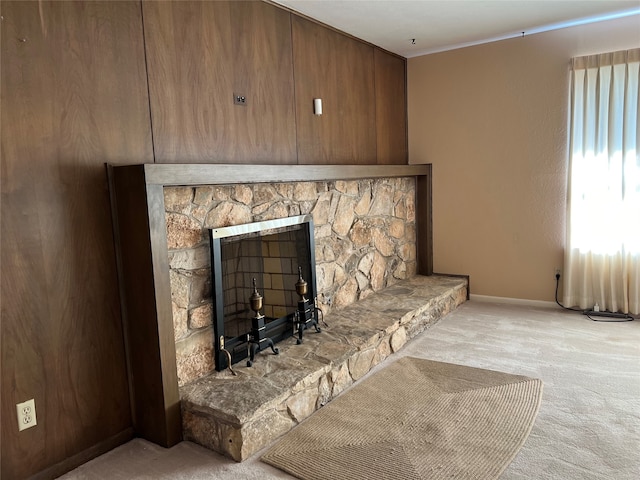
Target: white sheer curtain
x,y
602,259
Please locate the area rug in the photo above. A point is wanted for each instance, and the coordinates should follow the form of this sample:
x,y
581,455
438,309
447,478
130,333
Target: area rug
x,y
415,419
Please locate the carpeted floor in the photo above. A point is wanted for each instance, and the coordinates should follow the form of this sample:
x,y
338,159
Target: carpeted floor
x,y
415,419
587,428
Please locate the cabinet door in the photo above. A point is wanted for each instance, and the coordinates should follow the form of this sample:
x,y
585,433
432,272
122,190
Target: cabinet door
x,y
339,70
202,53
391,108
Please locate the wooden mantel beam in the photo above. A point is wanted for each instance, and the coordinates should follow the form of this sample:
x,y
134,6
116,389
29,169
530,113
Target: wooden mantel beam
x,y
212,174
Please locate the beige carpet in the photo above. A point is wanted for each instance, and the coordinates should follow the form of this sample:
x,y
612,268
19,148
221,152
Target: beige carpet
x,y
588,426
415,419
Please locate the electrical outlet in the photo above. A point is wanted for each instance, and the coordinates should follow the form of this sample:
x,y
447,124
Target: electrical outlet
x,y
557,272
26,414
240,99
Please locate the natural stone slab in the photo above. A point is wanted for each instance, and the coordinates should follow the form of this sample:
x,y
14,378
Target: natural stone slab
x,y
382,242
382,352
180,326
221,395
177,199
227,213
192,259
340,379
189,354
201,316
378,320
243,194
344,216
382,200
398,339
263,430
302,404
180,286
358,335
362,208
239,415
305,191
396,228
360,363
182,231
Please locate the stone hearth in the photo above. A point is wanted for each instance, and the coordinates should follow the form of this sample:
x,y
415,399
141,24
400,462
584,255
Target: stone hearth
x,y
239,415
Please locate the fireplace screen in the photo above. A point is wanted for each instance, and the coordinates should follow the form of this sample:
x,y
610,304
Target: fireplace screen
x,y
262,261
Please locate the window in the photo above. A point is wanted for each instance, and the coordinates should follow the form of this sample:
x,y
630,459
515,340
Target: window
x,y
602,260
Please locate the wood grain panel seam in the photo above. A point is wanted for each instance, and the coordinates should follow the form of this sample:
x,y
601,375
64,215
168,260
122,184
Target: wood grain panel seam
x,y
295,93
146,75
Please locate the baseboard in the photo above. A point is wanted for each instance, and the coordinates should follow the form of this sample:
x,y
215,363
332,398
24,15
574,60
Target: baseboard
x,y
514,301
68,464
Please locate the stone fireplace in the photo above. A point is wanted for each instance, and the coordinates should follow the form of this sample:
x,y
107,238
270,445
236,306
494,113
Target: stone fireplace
x,y
372,229
364,233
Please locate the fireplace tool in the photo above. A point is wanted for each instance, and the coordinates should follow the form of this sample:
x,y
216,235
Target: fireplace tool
x,y
257,339
228,354
306,315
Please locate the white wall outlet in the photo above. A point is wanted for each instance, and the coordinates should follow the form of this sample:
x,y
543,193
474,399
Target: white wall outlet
x,y
26,414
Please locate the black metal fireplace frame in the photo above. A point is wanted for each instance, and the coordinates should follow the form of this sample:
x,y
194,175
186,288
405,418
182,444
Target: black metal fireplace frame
x,y
276,329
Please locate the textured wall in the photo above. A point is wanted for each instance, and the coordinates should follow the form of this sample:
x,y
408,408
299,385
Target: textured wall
x,y
365,238
493,121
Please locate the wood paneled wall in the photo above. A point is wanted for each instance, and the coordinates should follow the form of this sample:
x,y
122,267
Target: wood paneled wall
x,y
199,55
391,108
92,82
339,70
74,96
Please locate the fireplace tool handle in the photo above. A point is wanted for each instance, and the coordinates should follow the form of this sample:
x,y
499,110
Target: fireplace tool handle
x,y
319,311
226,352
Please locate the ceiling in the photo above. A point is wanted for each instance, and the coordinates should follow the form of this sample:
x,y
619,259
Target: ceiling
x,y
438,25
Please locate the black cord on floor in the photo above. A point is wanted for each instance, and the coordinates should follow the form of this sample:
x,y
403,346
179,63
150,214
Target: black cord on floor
x,y
627,318
558,302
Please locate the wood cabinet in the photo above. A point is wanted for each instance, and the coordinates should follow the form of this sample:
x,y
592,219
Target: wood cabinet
x,y
391,108
339,70
74,96
199,54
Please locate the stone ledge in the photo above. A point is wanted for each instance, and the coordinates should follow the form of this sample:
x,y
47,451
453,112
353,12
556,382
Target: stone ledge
x,y
239,415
